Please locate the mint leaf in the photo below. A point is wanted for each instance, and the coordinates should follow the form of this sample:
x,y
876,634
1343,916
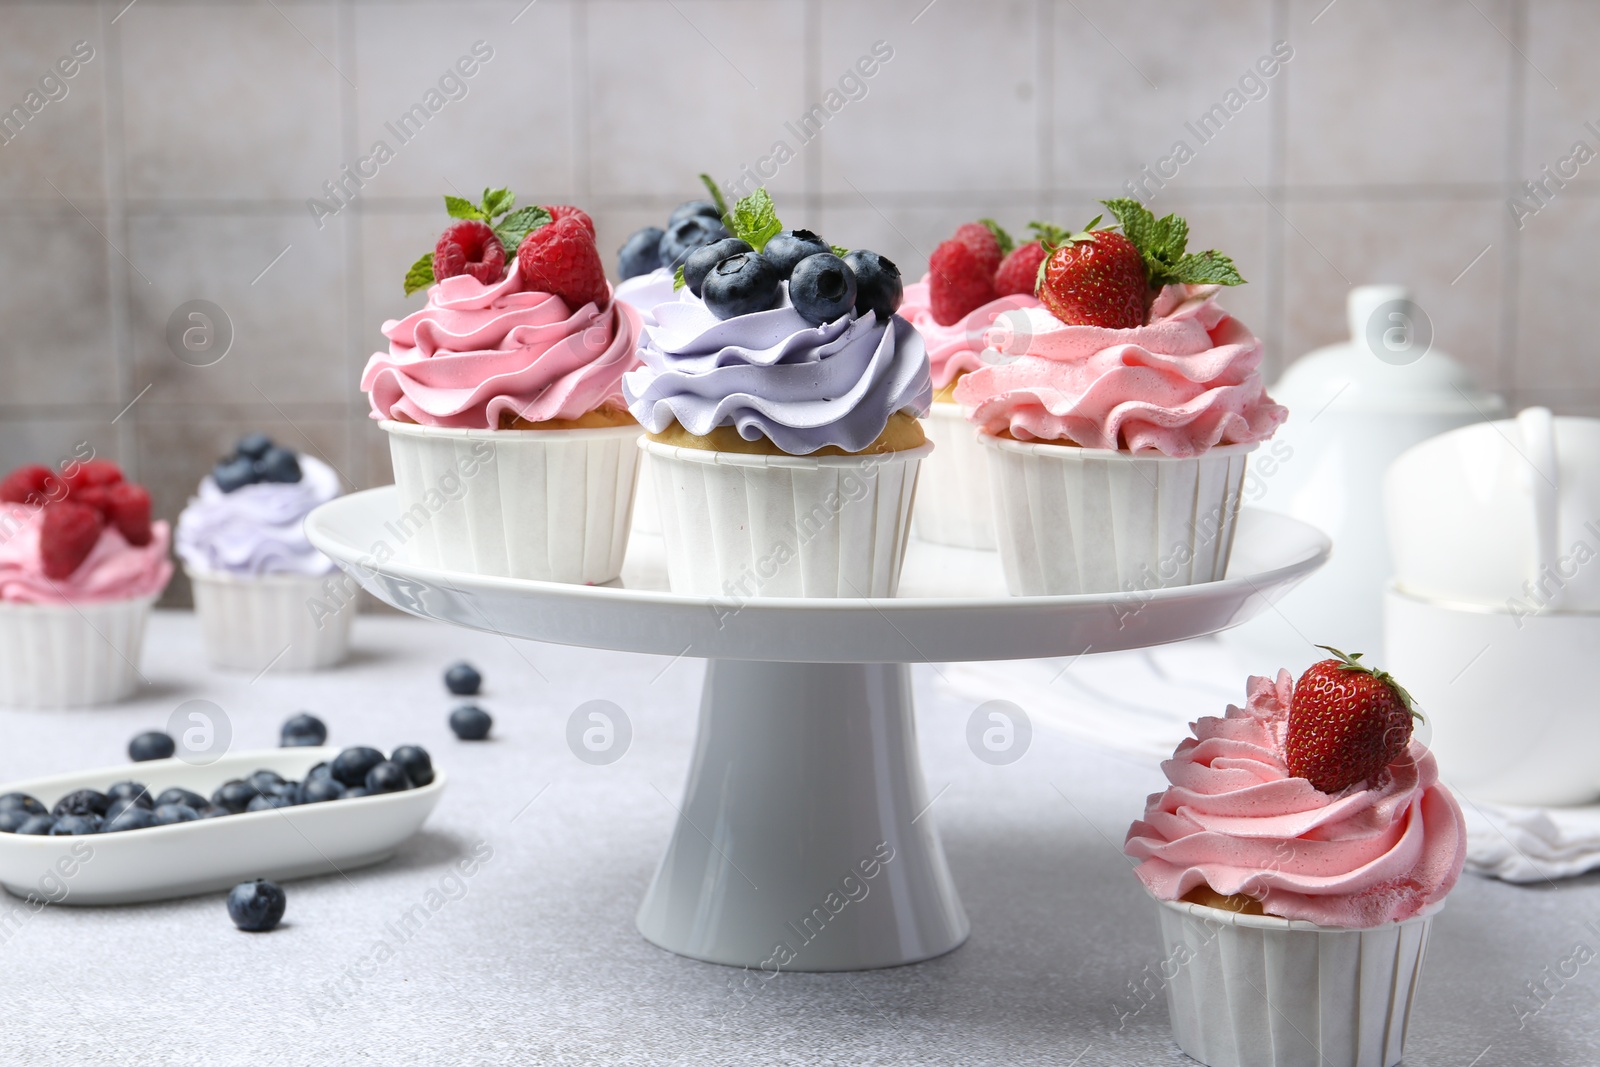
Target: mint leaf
x,y
1134,218
754,219
840,251
716,196
420,276
677,278
517,225
1205,268
1006,243
497,202
460,208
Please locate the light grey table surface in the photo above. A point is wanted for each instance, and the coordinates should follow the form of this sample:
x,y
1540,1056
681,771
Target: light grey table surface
x,y
539,961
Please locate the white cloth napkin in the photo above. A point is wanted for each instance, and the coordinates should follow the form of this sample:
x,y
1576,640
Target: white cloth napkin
x,y
1531,845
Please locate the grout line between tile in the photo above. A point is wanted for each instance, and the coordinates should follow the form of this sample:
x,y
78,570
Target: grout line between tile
x,y
1277,233
1044,96
582,163
118,283
1511,275
355,224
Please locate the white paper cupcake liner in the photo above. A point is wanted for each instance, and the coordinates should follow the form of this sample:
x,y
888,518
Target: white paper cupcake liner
x,y
954,506
646,512
549,505
288,622
70,655
1090,520
743,526
1259,991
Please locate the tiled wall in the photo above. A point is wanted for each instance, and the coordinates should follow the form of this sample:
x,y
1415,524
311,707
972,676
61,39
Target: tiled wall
x,y
179,162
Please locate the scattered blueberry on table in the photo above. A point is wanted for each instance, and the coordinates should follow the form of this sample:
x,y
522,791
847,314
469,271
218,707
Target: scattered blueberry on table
x,y
463,679
151,745
256,906
303,729
470,722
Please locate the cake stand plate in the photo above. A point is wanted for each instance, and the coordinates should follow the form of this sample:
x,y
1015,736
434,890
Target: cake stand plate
x,y
803,841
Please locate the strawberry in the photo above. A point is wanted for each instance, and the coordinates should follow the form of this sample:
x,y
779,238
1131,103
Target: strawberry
x,y
32,485
68,532
1019,271
93,472
128,509
469,247
988,242
565,211
1095,278
958,284
1347,722
561,258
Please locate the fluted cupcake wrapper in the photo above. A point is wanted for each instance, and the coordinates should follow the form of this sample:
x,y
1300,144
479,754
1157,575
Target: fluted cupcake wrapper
x,y
1091,520
743,526
1259,991
549,505
955,506
286,622
70,655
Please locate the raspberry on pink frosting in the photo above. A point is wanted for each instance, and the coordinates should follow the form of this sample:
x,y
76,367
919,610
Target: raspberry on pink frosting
x,y
113,570
1235,820
958,348
477,351
1187,381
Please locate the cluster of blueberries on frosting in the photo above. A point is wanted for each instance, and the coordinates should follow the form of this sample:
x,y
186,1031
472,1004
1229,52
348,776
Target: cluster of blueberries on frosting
x,y
255,459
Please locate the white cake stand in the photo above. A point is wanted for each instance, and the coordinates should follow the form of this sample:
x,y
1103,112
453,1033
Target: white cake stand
x,y
804,841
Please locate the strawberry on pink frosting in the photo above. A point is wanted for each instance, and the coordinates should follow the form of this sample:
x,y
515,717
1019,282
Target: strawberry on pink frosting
x,y
1233,819
958,348
1187,381
113,570
476,351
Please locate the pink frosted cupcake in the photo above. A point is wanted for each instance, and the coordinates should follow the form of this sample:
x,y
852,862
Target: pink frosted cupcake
x,y
513,451
1118,416
1294,918
81,563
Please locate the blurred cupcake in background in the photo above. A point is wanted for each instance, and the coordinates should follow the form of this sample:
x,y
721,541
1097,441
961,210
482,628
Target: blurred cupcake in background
x,y
264,595
81,563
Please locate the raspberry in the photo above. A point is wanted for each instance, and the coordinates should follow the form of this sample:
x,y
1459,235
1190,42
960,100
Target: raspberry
x,y
1019,271
32,485
560,258
68,532
94,472
128,508
958,284
564,211
469,247
984,244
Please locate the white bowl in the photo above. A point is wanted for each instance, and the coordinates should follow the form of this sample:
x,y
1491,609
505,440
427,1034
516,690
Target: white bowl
x,y
207,855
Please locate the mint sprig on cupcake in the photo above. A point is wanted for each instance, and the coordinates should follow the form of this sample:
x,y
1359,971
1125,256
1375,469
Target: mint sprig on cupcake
x,y
478,243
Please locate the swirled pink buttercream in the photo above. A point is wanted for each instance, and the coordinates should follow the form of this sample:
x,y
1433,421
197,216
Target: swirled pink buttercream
x,y
1185,382
1235,820
113,570
958,348
477,354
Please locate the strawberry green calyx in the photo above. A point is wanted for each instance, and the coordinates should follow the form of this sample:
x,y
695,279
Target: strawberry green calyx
x,y
1352,662
1000,235
1048,234
1052,238
1161,243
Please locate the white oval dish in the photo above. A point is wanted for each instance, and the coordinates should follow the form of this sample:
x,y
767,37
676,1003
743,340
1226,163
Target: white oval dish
x,y
183,859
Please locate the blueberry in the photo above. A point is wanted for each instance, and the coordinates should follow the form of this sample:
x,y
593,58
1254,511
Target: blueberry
x,y
350,767
22,802
181,796
37,825
269,801
319,770
302,729
137,792
686,235
234,795
417,763
12,818
702,260
822,288
266,781
152,745
358,791
640,253
132,817
75,826
878,285
167,814
256,906
119,805
317,790
463,679
470,722
252,445
387,777
82,802
235,473
741,285
212,811
787,248
278,465
694,207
